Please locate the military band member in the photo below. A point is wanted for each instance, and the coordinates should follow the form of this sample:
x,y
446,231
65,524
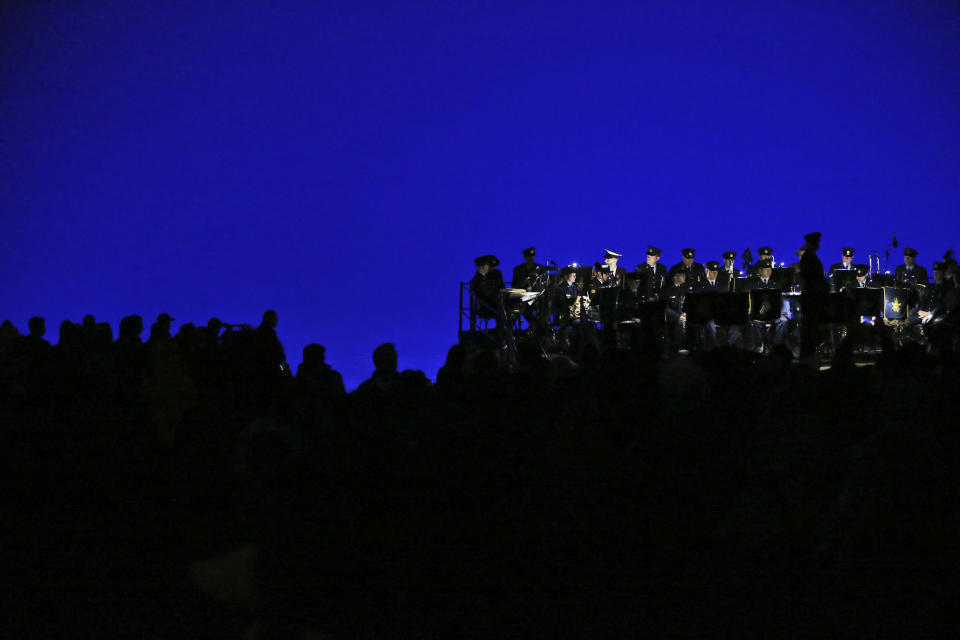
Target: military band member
x,y
616,275
862,281
729,274
530,276
564,295
525,273
764,253
675,293
486,285
693,270
949,302
710,284
794,272
653,275
777,331
910,273
845,264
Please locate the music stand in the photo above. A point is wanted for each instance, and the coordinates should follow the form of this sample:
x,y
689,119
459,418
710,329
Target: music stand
x,y
740,284
883,280
654,314
895,303
732,308
844,277
765,305
700,306
834,309
865,302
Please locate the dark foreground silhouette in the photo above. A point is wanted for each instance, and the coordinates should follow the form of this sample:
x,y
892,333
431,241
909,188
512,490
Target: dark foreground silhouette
x,y
189,486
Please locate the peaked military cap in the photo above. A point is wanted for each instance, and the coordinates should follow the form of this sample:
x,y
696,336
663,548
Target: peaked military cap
x,y
765,251
764,264
487,259
909,251
611,254
653,251
848,252
530,251
729,255
713,265
688,253
675,269
862,270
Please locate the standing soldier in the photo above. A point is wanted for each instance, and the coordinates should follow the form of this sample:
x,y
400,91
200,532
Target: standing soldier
x,y
653,275
910,273
729,274
693,270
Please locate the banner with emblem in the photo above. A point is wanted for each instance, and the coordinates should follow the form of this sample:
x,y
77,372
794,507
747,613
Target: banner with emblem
x,y
895,303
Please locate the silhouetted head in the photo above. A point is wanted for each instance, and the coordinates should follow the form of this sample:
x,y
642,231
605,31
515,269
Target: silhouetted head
x,y
214,325
89,322
37,326
163,321
385,358
270,319
314,354
131,327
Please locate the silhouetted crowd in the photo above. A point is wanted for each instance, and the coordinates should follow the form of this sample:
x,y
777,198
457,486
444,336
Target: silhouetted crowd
x,y
189,485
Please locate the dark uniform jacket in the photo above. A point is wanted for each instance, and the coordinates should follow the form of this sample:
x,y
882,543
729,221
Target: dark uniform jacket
x,y
674,294
695,272
705,285
522,275
917,276
652,280
756,282
487,288
724,277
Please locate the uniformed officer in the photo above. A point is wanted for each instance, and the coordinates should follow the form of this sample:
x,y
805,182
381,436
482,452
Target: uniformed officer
x,y
776,332
693,270
729,274
764,253
710,284
486,285
910,273
653,274
845,264
525,273
675,294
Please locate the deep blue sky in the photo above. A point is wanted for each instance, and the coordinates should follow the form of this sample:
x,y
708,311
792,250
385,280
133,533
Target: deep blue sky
x,y
344,162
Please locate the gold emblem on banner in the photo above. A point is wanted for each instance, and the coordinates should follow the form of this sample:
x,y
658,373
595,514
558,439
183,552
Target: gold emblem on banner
x,y
895,305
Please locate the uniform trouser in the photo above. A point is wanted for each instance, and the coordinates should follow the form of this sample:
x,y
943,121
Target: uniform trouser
x,y
770,333
708,334
674,329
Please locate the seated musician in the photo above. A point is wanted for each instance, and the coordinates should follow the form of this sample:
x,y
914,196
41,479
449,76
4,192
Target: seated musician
x,y
711,284
859,327
764,253
910,273
530,276
526,271
949,299
776,330
628,310
675,293
486,285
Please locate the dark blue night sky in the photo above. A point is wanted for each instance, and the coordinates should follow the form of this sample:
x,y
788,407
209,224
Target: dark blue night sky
x,y
344,162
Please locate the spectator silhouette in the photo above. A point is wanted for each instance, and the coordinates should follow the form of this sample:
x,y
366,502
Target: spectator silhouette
x,y
385,374
270,354
160,330
315,375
